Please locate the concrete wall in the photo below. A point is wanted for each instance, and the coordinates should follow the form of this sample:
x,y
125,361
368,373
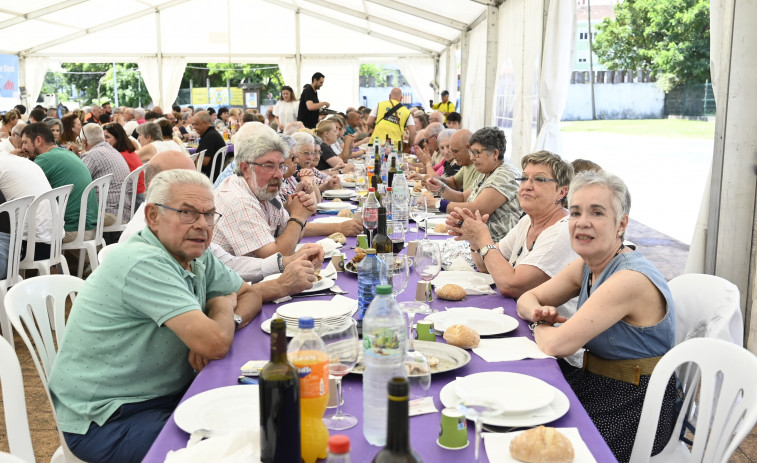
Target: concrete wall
x,y
615,101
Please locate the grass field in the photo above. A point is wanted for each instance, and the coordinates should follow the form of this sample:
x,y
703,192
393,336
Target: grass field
x,y
676,128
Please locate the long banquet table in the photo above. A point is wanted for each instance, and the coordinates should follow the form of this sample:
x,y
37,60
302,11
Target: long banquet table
x,y
251,343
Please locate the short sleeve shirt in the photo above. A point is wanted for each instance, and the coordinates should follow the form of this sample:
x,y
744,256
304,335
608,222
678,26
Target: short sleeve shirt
x,y
102,160
307,117
507,215
247,224
116,349
326,154
468,176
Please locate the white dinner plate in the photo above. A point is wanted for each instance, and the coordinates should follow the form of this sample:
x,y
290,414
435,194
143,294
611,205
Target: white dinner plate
x,y
343,194
335,206
557,408
516,392
222,410
293,330
331,219
320,285
462,278
484,322
317,309
433,222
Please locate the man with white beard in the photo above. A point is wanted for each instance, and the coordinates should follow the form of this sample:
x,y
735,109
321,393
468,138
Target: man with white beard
x,y
255,223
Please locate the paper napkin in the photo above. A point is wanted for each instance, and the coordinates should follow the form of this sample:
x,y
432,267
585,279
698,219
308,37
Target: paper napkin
x,y
237,447
508,349
497,446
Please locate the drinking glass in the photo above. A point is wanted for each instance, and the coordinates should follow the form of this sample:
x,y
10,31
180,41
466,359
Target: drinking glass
x,y
474,408
370,225
343,347
419,213
428,260
395,271
361,181
397,235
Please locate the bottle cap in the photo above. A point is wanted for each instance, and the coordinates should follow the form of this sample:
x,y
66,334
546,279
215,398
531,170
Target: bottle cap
x,y
388,188
384,289
306,323
339,443
371,189
370,251
399,172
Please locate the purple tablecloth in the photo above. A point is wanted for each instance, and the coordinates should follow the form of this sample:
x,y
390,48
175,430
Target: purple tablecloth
x,y
251,343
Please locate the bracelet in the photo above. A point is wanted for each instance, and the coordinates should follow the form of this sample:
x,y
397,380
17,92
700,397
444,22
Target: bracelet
x,y
444,187
297,221
280,261
540,322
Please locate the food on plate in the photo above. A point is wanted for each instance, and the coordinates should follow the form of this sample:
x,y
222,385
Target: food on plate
x,y
349,179
418,368
428,194
359,255
440,228
418,187
345,213
542,445
336,200
450,292
462,337
432,361
338,237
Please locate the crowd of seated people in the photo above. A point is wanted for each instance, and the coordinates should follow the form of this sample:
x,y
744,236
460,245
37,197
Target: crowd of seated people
x,y
551,238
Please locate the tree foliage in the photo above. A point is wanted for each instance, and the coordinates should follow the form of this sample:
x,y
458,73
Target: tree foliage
x,y
670,38
268,75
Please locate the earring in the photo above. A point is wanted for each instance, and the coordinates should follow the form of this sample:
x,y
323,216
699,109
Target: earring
x,y
620,232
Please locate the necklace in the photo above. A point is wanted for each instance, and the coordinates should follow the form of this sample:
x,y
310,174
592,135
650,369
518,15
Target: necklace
x,y
591,275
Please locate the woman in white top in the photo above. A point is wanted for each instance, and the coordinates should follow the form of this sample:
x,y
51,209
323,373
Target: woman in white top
x,y
151,139
286,108
538,247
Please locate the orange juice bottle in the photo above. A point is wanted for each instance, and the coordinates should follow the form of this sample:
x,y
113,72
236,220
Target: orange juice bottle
x,y
308,354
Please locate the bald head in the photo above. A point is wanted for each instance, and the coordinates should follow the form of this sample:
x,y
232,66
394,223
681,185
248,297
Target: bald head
x,y
436,116
167,160
458,145
396,94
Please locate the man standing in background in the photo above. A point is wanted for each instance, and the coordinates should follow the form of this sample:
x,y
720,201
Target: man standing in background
x,y
309,104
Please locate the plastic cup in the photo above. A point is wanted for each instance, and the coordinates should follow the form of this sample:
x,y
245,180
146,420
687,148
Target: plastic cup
x,y
425,329
453,434
362,240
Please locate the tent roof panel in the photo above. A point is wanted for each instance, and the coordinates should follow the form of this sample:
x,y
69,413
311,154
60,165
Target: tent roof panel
x,y
31,33
137,38
91,13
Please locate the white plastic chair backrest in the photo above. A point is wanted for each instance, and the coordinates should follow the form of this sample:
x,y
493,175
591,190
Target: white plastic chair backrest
x,y
14,404
219,157
16,210
101,187
200,158
27,307
707,306
57,198
727,397
137,144
104,252
8,458
130,184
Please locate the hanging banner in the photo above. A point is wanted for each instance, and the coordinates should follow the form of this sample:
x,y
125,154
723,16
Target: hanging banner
x,y
9,79
217,96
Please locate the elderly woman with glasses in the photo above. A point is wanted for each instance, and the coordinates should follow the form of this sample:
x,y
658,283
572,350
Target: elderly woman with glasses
x,y
495,189
625,317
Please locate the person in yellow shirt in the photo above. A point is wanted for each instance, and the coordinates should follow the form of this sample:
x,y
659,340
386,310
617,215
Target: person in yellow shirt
x,y
392,118
445,105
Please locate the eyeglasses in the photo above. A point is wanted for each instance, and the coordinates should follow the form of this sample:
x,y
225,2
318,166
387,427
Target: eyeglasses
x,y
476,153
271,168
536,180
191,215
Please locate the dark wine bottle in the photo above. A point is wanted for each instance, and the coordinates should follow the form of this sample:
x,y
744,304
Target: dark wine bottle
x,y
279,392
381,241
397,448
392,170
375,180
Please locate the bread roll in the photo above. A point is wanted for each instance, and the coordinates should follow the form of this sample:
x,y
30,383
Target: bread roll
x,y
359,255
336,200
338,237
344,213
440,228
542,445
462,336
450,292
418,187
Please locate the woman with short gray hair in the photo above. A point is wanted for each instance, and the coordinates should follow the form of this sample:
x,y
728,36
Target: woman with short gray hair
x,y
151,139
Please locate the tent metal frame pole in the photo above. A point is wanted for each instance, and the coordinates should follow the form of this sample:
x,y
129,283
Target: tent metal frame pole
x,y
492,16
160,60
298,52
424,14
464,50
36,14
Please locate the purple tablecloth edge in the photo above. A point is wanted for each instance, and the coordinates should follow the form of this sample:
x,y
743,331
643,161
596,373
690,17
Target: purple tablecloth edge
x,y
251,343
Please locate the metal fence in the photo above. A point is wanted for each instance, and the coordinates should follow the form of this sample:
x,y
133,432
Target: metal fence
x,y
692,100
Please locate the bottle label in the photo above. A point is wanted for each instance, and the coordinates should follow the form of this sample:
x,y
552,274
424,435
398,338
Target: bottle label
x,y
382,342
313,370
370,215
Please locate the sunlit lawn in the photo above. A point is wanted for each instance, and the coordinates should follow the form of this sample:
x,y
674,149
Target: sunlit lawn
x,y
676,128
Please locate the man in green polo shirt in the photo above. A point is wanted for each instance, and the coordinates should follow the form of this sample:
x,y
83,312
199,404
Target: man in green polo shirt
x,y
158,308
62,167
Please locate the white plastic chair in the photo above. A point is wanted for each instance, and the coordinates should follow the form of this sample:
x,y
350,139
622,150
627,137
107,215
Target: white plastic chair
x,y
14,403
219,157
57,199
131,180
199,157
101,186
727,397
16,209
707,306
28,305
104,252
9,458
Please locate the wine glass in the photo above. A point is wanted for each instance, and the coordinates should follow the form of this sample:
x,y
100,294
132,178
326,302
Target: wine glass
x,y
370,219
397,235
361,182
419,212
428,260
343,347
474,408
395,271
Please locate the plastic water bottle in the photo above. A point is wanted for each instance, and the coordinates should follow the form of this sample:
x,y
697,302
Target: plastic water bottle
x,y
339,449
308,353
368,277
384,348
400,199
388,205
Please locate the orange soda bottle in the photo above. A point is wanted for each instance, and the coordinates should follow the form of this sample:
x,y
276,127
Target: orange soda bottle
x,y
308,353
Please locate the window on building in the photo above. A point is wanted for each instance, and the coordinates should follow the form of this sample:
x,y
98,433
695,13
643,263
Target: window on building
x,y
583,56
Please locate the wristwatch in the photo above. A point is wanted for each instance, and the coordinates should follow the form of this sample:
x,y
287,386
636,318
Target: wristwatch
x,y
238,320
485,250
280,261
540,322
